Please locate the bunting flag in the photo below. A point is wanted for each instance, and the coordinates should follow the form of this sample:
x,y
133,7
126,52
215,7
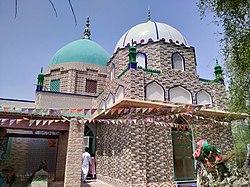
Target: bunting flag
x,y
12,121
31,122
44,122
50,121
4,121
37,122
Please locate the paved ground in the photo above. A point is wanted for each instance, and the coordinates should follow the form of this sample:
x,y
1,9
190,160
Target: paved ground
x,y
89,183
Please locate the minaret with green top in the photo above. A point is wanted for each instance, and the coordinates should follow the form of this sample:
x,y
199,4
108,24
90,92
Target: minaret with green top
x,y
218,73
132,57
40,81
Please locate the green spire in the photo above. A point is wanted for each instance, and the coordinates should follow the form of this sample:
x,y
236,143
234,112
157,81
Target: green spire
x,y
40,81
149,17
218,73
132,57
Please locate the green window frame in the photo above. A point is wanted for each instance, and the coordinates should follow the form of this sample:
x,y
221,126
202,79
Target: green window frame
x,y
55,85
182,155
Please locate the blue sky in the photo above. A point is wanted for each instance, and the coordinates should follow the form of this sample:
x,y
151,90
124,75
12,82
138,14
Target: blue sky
x,y
28,42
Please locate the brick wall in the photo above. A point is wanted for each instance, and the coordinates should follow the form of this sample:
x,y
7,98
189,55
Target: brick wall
x,y
74,155
141,154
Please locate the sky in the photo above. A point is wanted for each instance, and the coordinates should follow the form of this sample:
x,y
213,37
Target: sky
x,y
29,41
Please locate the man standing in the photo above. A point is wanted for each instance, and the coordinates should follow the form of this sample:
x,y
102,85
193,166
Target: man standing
x,y
86,162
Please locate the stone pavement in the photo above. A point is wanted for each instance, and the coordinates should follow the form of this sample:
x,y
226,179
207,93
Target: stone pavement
x,y
95,183
89,183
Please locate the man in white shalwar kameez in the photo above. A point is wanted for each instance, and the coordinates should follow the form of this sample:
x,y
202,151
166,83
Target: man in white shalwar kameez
x,y
86,162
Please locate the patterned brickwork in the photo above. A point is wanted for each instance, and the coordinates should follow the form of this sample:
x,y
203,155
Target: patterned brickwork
x,y
159,58
73,77
74,155
149,154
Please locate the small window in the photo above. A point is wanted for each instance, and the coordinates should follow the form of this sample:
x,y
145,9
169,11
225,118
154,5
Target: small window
x,y
55,85
112,72
177,62
203,98
141,60
91,86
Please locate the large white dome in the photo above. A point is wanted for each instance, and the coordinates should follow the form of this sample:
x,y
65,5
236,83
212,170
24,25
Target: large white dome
x,y
154,30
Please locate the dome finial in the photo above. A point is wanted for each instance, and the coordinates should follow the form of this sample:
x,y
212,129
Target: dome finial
x,y
149,17
87,30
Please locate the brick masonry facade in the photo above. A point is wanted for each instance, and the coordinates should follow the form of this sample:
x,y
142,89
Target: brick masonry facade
x,y
141,154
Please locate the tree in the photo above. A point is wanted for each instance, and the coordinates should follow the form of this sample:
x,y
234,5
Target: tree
x,y
234,16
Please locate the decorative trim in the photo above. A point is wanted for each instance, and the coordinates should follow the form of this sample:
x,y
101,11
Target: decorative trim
x,y
183,60
206,92
146,58
149,70
20,100
183,88
64,93
119,76
145,89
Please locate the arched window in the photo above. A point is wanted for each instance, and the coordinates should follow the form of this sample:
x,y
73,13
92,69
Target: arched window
x,y
110,100
141,59
180,95
178,62
154,91
112,72
119,93
203,98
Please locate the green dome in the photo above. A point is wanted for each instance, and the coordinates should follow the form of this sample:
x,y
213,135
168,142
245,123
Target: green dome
x,y
83,50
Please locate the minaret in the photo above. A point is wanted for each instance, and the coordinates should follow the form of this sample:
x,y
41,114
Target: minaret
x,y
40,81
132,57
87,30
218,73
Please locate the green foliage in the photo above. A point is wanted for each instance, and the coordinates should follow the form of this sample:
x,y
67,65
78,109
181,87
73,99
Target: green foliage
x,y
234,15
241,135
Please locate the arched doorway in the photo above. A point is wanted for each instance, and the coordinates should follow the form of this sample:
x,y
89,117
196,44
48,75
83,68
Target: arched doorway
x,y
89,139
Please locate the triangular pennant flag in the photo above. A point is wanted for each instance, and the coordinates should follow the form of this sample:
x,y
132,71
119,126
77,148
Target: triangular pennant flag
x,y
50,121
86,111
199,107
107,111
4,121
120,110
150,110
126,110
93,111
38,121
173,109
19,121
132,110
112,121
177,115
138,110
113,110
57,120
172,116
144,110
134,121
44,122
31,122
78,111
12,121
